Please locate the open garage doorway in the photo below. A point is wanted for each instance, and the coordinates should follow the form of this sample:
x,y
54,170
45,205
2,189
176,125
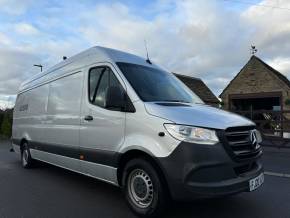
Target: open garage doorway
x,y
265,109
265,103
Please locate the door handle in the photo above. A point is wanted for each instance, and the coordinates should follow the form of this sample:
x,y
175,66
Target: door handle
x,y
88,118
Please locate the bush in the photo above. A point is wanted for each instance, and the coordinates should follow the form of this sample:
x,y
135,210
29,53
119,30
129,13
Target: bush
x,y
6,118
6,126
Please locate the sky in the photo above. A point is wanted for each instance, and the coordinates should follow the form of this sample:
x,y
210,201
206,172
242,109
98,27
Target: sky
x,y
209,39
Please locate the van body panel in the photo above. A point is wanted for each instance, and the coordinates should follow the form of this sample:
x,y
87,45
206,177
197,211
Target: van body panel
x,y
92,55
103,135
30,114
58,160
198,115
142,131
106,130
104,172
63,111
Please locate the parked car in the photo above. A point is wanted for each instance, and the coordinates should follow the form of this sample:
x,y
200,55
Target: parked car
x,y
119,118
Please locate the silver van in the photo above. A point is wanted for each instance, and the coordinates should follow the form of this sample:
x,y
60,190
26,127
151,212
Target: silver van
x,y
119,118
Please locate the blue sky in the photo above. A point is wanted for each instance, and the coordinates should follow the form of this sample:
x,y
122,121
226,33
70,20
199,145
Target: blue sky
x,y
240,5
209,39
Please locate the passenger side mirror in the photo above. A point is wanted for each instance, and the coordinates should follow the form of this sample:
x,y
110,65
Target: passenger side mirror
x,y
115,98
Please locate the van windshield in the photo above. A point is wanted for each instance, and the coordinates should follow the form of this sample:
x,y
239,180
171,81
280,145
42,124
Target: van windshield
x,y
153,84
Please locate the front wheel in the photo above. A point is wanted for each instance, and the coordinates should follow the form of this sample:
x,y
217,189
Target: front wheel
x,y
144,189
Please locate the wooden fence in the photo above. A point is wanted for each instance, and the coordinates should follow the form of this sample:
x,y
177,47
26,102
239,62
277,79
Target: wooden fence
x,y
270,123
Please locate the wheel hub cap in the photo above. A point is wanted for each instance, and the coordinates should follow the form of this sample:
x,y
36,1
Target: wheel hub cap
x,y
140,188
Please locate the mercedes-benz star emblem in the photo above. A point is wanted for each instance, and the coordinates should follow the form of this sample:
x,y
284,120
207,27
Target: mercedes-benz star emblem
x,y
253,138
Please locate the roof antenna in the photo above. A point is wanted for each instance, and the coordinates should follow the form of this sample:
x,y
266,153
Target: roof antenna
x,y
147,60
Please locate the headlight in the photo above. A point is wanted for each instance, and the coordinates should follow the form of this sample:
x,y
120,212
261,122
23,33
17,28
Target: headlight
x,y
192,134
259,136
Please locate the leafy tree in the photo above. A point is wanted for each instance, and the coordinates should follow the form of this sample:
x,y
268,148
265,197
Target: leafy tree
x,y
6,126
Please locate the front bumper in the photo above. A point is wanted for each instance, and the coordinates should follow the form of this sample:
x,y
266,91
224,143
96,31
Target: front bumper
x,y
200,171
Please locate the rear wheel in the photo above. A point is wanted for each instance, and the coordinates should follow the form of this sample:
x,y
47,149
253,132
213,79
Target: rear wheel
x,y
143,188
26,160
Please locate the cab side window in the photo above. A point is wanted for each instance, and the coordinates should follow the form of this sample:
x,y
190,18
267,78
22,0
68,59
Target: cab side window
x,y
100,79
94,77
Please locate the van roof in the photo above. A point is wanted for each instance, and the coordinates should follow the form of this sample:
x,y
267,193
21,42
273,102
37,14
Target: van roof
x,y
92,55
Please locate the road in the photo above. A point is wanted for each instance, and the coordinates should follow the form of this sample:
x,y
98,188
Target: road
x,y
48,191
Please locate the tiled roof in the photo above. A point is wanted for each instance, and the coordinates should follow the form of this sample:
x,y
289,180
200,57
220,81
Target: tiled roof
x,y
199,88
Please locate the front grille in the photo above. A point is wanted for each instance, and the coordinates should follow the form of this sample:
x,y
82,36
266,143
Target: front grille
x,y
239,142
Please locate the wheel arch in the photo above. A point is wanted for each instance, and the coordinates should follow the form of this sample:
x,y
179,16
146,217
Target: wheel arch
x,y
133,154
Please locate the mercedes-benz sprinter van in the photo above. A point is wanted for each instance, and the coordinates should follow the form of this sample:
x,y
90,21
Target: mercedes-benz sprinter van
x,y
119,118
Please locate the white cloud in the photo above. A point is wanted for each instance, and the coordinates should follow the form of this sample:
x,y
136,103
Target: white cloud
x,y
281,64
270,27
25,29
4,40
14,7
197,38
7,101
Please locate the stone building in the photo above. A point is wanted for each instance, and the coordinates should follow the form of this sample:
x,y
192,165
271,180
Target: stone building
x,y
257,86
261,89
199,88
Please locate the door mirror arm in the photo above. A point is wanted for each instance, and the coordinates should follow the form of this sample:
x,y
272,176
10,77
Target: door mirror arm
x,y
129,107
117,99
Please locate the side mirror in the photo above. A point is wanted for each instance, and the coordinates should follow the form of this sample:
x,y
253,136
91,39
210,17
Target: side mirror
x,y
115,98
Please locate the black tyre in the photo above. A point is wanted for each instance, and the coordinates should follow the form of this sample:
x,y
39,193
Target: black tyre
x,y
144,189
26,160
